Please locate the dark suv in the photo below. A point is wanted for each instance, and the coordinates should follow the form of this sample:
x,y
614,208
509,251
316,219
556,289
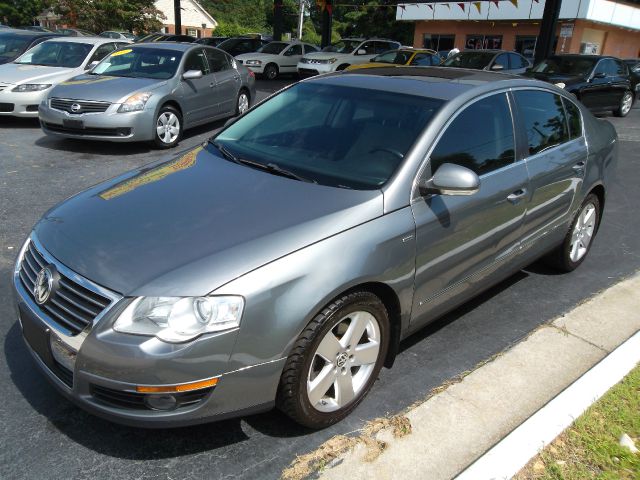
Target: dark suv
x,y
239,45
602,83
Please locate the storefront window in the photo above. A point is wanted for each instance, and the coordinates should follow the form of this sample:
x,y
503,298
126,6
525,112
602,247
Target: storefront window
x,y
477,42
438,42
526,46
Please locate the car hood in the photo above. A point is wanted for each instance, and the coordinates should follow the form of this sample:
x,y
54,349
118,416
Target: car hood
x,y
188,226
556,77
257,56
103,87
15,73
326,55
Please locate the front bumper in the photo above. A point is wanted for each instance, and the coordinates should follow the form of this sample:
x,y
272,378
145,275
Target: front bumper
x,y
257,69
310,69
20,104
107,126
108,366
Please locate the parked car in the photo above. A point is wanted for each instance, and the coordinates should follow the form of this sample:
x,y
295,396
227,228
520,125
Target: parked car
x,y
633,64
14,43
239,45
276,58
119,35
602,83
283,261
75,32
26,81
492,60
420,57
340,55
211,41
149,92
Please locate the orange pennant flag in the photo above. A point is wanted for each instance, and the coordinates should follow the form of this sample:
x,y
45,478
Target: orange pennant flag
x,y
477,5
514,3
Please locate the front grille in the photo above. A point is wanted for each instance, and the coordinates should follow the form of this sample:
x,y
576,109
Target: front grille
x,y
97,132
85,106
313,61
6,107
135,400
71,305
307,71
3,86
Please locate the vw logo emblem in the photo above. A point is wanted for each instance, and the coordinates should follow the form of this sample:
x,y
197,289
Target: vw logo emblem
x,y
43,286
76,107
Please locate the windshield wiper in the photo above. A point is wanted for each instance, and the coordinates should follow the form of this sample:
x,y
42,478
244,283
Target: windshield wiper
x,y
269,167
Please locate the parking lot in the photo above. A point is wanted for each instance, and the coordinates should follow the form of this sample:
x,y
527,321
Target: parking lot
x,y
43,435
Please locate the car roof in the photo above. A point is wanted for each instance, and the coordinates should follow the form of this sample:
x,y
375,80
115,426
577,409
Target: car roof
x,y
434,82
90,40
28,33
178,46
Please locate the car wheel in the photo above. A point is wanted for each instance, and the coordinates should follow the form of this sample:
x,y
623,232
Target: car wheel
x,y
625,105
335,361
270,72
577,243
168,127
342,67
242,105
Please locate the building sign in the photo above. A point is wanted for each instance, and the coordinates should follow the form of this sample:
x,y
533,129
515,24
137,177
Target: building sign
x,y
477,42
566,30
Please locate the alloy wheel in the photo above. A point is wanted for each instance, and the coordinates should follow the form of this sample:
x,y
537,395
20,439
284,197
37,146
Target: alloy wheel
x,y
243,103
343,362
583,232
168,127
627,101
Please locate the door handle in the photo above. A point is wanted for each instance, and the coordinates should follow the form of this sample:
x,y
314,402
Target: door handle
x,y
579,167
516,196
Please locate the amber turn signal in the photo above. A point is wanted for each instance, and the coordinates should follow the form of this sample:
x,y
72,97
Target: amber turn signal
x,y
184,387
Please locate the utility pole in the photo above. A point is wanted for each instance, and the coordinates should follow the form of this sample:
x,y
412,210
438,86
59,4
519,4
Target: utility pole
x,y
178,18
327,20
277,19
301,19
544,43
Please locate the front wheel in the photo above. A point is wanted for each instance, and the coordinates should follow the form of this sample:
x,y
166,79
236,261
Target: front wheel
x,y
242,105
625,105
168,127
577,243
270,72
335,361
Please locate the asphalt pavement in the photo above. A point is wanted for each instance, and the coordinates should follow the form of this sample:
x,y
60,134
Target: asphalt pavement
x,y
42,435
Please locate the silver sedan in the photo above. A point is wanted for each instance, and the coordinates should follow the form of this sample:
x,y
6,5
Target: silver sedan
x,y
149,92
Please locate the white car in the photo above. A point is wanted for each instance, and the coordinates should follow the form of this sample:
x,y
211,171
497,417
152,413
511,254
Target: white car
x,y
346,52
25,82
276,58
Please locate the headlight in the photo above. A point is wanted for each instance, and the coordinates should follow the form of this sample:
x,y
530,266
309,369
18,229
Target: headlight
x,y
332,60
561,84
134,103
179,319
31,87
253,62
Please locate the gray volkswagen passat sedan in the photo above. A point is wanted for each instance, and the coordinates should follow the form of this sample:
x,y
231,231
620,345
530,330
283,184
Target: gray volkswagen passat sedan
x,y
149,92
272,266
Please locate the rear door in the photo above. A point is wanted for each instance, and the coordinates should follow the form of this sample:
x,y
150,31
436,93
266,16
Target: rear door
x,y
227,82
461,240
556,158
199,96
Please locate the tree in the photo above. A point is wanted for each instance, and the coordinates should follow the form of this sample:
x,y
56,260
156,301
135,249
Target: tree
x,y
17,13
100,15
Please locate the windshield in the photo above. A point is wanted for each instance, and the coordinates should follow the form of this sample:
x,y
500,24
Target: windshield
x,y
140,62
274,48
12,45
566,66
343,46
333,135
396,57
475,60
57,54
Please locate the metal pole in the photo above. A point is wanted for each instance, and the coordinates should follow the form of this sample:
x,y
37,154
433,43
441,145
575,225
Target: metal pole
x,y
277,19
301,20
327,20
544,42
178,17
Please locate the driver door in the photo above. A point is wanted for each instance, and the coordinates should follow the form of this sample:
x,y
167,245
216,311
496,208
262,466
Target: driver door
x,y
198,93
290,59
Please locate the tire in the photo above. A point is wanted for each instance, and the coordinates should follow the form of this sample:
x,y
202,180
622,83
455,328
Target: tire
x,y
625,105
316,392
173,122
579,237
270,71
242,103
342,67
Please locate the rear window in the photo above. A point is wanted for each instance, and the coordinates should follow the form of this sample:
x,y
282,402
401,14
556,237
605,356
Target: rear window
x,y
544,118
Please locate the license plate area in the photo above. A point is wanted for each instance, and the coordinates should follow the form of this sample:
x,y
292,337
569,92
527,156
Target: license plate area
x,y
73,124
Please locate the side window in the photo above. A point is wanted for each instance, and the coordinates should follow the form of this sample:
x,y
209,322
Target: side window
x,y
218,61
544,118
422,59
381,47
480,138
245,46
196,61
503,60
368,47
101,52
606,66
575,120
620,68
294,50
309,49
517,61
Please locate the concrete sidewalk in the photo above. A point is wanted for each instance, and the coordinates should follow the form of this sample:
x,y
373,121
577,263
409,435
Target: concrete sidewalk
x,y
453,428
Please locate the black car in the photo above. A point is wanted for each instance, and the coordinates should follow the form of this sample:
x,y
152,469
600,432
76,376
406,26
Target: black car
x,y
239,45
633,64
602,83
211,41
166,37
14,43
489,59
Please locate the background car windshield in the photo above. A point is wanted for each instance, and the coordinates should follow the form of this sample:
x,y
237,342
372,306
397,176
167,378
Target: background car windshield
x,y
274,48
565,66
57,54
343,46
334,135
140,62
477,60
12,45
397,57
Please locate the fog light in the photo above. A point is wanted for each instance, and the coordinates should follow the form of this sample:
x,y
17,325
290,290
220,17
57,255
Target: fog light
x,y
161,402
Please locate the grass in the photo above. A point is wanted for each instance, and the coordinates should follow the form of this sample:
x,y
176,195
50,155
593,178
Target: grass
x,y
589,448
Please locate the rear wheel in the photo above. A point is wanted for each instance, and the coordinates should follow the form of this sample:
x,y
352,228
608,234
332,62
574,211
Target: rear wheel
x,y
335,361
270,72
168,129
625,105
242,105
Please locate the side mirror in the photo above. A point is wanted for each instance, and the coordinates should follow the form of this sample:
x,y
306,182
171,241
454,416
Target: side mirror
x,y
192,74
91,65
362,51
451,179
497,67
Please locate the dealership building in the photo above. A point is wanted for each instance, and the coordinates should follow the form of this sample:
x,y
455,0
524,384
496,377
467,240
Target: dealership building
x,y
585,26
